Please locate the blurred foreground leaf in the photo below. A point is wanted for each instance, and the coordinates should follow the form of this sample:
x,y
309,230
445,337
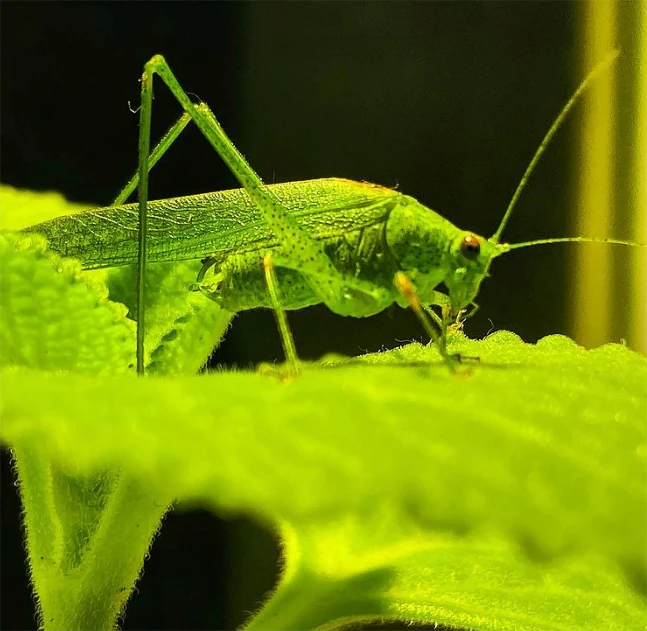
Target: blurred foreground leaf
x,y
545,442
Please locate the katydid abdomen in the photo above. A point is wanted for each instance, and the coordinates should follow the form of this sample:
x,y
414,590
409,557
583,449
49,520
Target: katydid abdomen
x,y
361,255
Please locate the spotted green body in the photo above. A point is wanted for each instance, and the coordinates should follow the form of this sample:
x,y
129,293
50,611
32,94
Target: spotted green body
x,y
368,232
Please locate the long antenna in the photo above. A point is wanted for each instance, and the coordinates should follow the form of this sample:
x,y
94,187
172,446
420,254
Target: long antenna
x,y
599,68
515,246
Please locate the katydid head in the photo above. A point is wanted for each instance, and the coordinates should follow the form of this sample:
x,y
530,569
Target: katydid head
x,y
470,257
431,250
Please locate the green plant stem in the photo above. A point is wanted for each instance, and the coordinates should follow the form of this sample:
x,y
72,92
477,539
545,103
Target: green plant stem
x,y
86,541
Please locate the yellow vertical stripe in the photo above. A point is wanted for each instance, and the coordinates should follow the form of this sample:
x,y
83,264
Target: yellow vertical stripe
x,y
591,293
639,186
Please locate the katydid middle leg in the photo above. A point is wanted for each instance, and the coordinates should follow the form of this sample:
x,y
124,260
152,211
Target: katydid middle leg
x,y
271,281
281,320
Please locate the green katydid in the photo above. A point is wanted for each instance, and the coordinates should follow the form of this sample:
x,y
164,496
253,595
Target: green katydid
x,y
357,247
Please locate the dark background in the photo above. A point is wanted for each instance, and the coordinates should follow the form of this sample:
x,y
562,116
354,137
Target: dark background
x,y
447,100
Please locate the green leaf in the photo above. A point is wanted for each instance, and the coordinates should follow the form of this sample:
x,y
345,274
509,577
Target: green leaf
x,y
53,317
182,327
544,443
381,567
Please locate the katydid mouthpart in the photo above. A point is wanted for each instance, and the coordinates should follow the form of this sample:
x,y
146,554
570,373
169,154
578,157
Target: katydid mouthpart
x,y
356,247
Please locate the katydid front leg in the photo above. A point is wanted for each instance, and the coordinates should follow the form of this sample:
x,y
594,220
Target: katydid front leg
x,y
435,327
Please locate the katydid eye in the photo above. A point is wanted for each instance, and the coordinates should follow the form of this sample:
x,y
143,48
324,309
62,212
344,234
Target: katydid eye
x,y
470,247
